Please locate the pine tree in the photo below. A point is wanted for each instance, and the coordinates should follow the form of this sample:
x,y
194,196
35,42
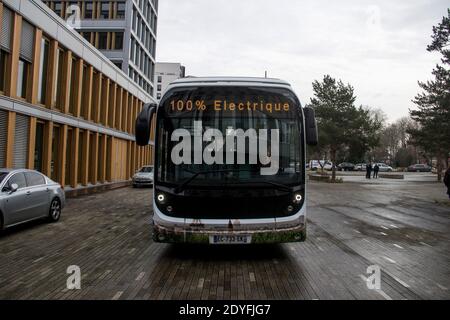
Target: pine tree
x,y
433,104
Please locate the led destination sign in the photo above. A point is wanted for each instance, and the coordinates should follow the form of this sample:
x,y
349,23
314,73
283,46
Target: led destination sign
x,y
225,105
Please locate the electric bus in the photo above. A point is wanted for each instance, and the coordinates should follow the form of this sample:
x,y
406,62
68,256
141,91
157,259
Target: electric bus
x,y
229,161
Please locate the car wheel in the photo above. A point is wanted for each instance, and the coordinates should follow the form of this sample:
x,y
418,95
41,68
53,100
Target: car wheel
x,y
55,210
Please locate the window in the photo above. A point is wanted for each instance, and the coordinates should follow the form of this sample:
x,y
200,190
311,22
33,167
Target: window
x,y
73,87
22,79
102,40
104,10
88,10
19,179
118,45
34,179
158,95
120,14
131,49
118,64
87,36
55,162
3,59
58,8
58,98
42,85
84,93
159,87
159,79
39,146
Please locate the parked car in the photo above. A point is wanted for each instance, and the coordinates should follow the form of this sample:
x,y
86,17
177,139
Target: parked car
x,y
419,168
346,166
144,177
27,195
360,167
328,166
384,167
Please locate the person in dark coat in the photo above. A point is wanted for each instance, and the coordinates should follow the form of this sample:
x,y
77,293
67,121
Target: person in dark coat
x,y
447,181
376,169
368,170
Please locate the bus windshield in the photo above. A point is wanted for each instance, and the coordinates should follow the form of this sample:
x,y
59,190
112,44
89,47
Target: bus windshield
x,y
221,136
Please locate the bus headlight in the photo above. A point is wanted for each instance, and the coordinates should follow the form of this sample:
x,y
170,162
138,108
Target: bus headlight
x,y
161,198
298,198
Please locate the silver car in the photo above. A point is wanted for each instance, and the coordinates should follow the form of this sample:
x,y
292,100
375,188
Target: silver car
x,y
27,195
144,177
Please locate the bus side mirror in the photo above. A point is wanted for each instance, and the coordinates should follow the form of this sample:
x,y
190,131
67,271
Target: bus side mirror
x,y
143,124
312,138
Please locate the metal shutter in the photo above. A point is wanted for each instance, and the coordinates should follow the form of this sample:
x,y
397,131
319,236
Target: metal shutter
x,y
3,123
5,32
27,41
21,142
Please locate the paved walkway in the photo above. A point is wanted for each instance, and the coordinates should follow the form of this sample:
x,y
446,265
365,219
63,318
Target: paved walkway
x,y
351,226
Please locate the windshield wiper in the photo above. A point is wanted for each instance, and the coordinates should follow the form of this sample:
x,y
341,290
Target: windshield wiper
x,y
186,182
279,186
181,187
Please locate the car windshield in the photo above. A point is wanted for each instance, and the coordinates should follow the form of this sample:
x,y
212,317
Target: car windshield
x,y
3,176
228,113
146,169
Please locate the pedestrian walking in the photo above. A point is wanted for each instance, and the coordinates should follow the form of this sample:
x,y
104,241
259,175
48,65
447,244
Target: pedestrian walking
x,y
376,169
368,170
447,181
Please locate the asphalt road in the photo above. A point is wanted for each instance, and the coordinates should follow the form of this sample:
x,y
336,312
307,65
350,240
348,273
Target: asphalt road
x,y
401,226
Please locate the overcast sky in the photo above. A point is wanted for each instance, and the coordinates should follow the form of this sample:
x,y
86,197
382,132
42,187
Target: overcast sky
x,y
377,46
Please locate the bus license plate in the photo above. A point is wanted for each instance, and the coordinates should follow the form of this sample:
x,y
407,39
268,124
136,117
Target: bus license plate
x,y
230,239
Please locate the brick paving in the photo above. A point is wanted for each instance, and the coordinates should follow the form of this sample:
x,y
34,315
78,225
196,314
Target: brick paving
x,y
402,227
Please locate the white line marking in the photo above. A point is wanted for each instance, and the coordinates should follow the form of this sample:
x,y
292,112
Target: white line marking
x,y
385,228
346,222
397,246
390,260
140,276
442,287
320,248
403,283
39,259
201,281
117,295
356,231
393,226
425,244
384,234
252,277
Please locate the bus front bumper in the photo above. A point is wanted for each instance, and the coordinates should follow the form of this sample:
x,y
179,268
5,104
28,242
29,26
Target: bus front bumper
x,y
175,235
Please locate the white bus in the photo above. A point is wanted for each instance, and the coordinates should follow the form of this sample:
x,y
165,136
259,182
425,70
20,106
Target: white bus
x,y
229,164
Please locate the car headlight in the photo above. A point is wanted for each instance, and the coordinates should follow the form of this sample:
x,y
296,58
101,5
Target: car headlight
x,y
161,198
298,198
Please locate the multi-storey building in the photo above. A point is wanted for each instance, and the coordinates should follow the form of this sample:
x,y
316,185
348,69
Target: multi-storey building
x,y
65,109
123,30
165,73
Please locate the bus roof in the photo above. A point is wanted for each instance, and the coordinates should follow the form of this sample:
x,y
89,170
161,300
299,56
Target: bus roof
x,y
229,81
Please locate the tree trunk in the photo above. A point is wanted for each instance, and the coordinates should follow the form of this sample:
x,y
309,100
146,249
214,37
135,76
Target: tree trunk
x,y
439,168
333,168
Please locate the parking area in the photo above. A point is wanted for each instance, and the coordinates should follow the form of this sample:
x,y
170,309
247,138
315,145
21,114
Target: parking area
x,y
401,226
